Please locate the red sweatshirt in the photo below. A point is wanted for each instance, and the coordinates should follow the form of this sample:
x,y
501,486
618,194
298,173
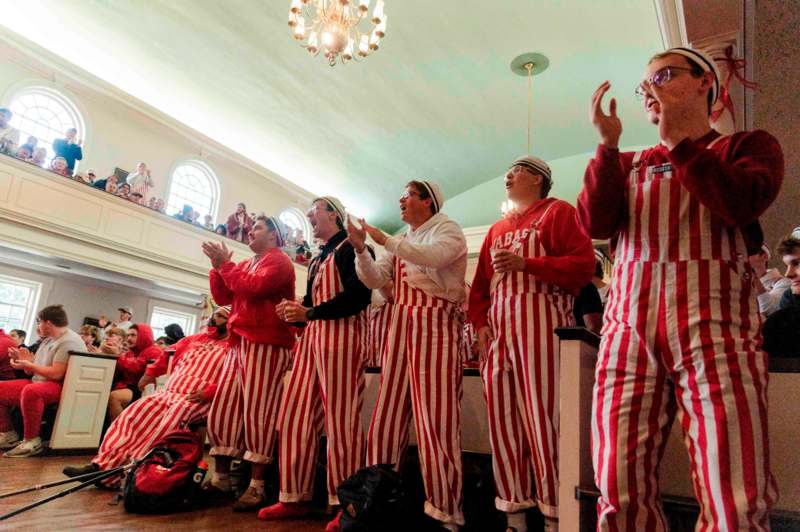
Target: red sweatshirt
x,y
569,263
131,364
6,371
737,179
253,293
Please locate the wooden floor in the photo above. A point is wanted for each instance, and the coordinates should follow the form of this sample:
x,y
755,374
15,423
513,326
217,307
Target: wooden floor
x,y
91,509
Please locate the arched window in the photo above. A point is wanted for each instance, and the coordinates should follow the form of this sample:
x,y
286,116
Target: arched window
x,y
193,183
46,114
294,220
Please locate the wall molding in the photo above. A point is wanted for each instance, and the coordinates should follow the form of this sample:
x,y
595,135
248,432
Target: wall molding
x,y
671,22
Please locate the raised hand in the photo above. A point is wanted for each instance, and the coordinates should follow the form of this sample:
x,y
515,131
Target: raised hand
x,y
356,236
377,235
608,126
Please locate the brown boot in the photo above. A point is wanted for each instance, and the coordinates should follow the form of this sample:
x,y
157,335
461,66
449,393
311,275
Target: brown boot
x,y
250,500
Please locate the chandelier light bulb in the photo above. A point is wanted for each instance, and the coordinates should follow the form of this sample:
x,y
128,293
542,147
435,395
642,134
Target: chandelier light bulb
x,y
348,51
300,28
373,41
313,42
292,19
363,5
377,13
380,29
363,46
296,6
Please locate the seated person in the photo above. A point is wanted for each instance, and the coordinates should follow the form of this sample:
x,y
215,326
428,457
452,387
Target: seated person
x,y
24,153
159,206
130,368
113,342
30,144
221,230
7,373
208,222
174,332
90,336
186,398
136,197
123,320
18,335
59,166
186,215
789,250
39,156
163,342
588,309
48,367
769,284
103,183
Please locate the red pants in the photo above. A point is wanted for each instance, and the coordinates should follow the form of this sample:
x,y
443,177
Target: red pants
x,y
327,382
421,372
242,418
31,398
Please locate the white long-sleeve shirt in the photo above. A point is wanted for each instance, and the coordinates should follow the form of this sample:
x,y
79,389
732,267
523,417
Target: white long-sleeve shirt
x,y
436,257
775,285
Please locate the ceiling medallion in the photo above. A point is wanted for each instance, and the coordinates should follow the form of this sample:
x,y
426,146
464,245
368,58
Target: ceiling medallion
x,y
332,27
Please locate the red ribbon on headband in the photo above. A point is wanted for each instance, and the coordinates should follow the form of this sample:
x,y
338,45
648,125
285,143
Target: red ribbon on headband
x,y
736,67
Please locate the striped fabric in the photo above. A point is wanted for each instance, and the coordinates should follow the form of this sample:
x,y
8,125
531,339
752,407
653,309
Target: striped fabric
x,y
521,381
241,422
421,373
377,331
681,335
327,378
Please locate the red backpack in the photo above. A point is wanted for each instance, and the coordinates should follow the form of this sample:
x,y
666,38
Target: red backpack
x,y
168,479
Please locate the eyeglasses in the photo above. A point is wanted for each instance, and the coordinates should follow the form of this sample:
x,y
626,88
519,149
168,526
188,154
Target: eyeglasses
x,y
409,193
659,78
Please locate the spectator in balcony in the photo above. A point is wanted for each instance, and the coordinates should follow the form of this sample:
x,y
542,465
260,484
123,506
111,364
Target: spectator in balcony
x,y
222,230
39,156
140,180
124,191
196,218
18,335
69,148
208,222
136,198
186,215
123,320
160,207
31,143
130,367
24,153
9,136
90,177
113,342
6,371
239,224
90,336
47,367
59,166
101,183
151,203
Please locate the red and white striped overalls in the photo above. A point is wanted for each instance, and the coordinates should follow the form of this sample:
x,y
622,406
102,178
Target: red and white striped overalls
x,y
681,334
377,331
421,370
327,377
521,379
132,434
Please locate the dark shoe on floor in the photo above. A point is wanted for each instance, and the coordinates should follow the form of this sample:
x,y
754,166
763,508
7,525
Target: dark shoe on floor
x,y
250,500
76,471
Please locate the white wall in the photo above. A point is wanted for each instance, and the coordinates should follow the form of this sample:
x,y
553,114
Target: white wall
x,y
120,134
85,298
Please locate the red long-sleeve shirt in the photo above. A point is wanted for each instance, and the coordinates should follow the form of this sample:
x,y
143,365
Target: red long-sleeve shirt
x,y
253,292
131,364
737,179
569,262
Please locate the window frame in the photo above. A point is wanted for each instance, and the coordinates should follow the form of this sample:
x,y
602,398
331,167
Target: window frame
x,y
206,170
167,311
70,104
32,306
306,226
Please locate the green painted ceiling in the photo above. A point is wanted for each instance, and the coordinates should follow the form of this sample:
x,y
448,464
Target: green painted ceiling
x,y
437,100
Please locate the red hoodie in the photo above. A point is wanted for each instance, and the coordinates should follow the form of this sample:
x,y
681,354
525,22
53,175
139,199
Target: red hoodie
x,y
131,364
6,371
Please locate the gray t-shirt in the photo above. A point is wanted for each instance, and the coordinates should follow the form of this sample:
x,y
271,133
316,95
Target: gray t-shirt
x,y
57,350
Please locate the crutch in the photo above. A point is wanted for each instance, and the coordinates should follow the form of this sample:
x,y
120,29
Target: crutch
x,y
37,487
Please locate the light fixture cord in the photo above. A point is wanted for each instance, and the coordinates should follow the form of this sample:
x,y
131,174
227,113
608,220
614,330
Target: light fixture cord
x,y
529,67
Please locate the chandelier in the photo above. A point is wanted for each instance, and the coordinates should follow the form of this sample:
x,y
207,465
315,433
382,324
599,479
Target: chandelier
x,y
332,27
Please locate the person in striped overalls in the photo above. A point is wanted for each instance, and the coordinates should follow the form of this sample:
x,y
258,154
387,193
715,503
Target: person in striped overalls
x,y
421,368
530,266
186,398
328,371
681,329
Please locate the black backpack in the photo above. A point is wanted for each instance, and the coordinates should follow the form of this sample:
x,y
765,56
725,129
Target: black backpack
x,y
372,499
168,479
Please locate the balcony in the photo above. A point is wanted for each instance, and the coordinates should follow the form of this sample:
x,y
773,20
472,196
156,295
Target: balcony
x,y
47,214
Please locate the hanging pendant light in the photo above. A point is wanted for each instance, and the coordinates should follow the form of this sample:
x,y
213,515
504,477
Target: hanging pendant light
x,y
529,65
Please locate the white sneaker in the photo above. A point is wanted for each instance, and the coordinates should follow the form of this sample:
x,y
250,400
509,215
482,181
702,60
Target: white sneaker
x,y
9,439
26,448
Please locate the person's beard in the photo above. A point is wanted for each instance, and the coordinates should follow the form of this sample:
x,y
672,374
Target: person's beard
x,y
217,331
